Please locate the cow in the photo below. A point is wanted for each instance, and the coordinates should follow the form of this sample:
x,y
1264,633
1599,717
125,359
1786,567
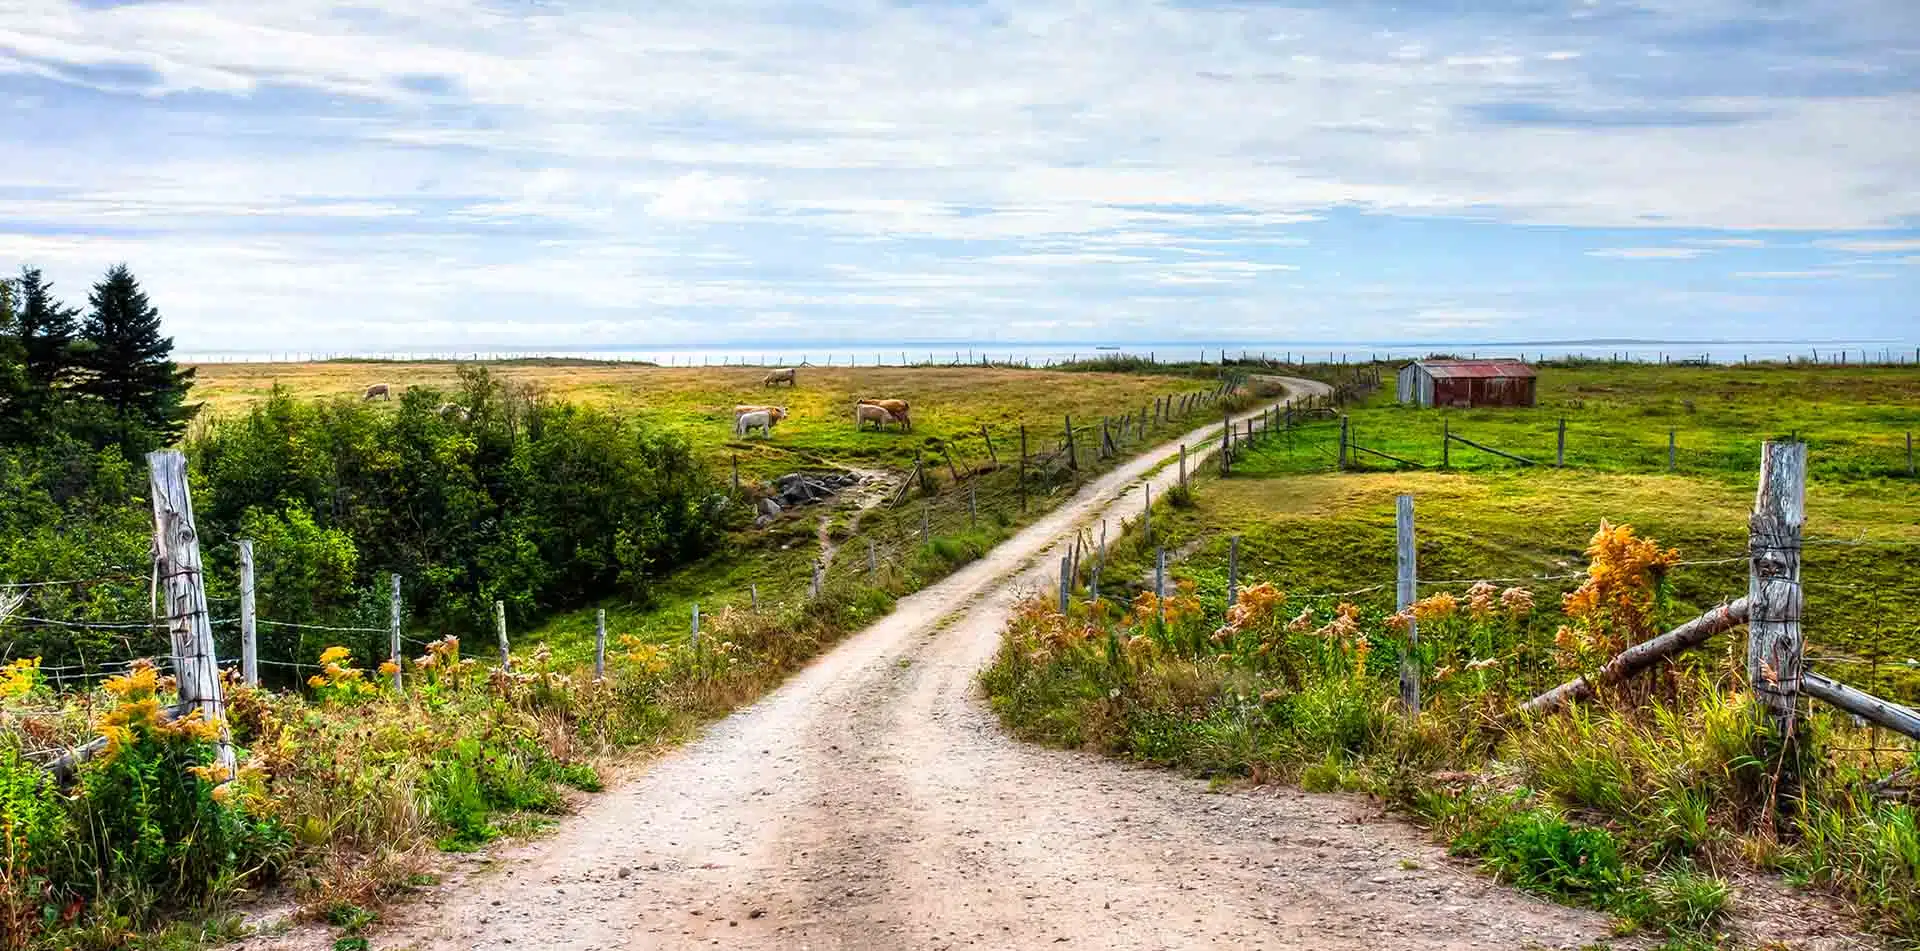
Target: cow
x,y
762,420
897,407
381,390
864,413
782,375
454,411
742,409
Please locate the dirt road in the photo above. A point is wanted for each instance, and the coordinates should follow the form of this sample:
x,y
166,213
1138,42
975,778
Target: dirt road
x,y
872,802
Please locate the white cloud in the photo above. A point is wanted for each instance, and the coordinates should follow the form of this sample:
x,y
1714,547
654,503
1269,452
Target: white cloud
x,y
1871,246
675,166
1644,254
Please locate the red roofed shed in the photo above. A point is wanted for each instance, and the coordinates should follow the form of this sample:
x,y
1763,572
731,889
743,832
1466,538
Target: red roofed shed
x,y
1464,383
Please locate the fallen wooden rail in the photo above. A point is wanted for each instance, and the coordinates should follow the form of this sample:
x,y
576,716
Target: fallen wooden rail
x,y
1505,455
1864,705
1641,656
1375,452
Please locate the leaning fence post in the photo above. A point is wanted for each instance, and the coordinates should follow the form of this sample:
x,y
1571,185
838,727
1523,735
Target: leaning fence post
x,y
249,640
176,547
1407,591
600,644
393,628
500,625
1774,600
1233,571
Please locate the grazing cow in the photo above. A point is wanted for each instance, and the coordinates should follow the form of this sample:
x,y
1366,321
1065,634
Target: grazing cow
x,y
762,420
381,390
897,407
454,411
864,413
782,375
742,409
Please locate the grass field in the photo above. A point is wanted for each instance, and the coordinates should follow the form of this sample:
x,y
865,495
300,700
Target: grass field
x,y
949,403
1855,420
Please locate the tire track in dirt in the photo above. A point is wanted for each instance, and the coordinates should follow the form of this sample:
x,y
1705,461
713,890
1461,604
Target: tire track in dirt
x,y
872,802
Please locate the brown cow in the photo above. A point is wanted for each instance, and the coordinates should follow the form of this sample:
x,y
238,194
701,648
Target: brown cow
x,y
382,390
864,413
897,407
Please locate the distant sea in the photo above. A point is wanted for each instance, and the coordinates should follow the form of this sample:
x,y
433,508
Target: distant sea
x,y
1043,354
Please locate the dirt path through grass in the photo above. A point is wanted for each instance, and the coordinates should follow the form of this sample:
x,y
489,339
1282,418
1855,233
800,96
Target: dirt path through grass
x,y
873,802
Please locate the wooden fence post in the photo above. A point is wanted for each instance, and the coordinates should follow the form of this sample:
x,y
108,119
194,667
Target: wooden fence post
x,y
1774,601
1066,584
1560,446
1446,443
994,456
1343,443
393,628
1233,571
1073,456
249,639
753,598
1160,583
600,644
1183,465
500,625
1406,592
176,547
1023,468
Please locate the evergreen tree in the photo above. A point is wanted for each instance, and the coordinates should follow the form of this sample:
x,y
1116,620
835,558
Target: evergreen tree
x,y
45,328
13,371
129,366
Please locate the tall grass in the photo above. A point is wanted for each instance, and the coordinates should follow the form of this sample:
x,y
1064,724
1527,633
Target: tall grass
x,y
1639,803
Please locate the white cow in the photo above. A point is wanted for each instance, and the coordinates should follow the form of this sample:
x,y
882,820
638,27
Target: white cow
x,y
762,420
782,375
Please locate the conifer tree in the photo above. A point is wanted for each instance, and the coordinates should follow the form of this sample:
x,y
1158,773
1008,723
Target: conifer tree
x,y
129,366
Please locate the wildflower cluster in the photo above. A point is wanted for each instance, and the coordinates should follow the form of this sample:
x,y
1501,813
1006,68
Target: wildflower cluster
x,y
1615,606
19,678
338,679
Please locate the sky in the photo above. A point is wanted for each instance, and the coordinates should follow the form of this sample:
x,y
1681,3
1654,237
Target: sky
x,y
555,174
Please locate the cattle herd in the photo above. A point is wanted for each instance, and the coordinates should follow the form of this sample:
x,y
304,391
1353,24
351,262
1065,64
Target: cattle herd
x,y
746,418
